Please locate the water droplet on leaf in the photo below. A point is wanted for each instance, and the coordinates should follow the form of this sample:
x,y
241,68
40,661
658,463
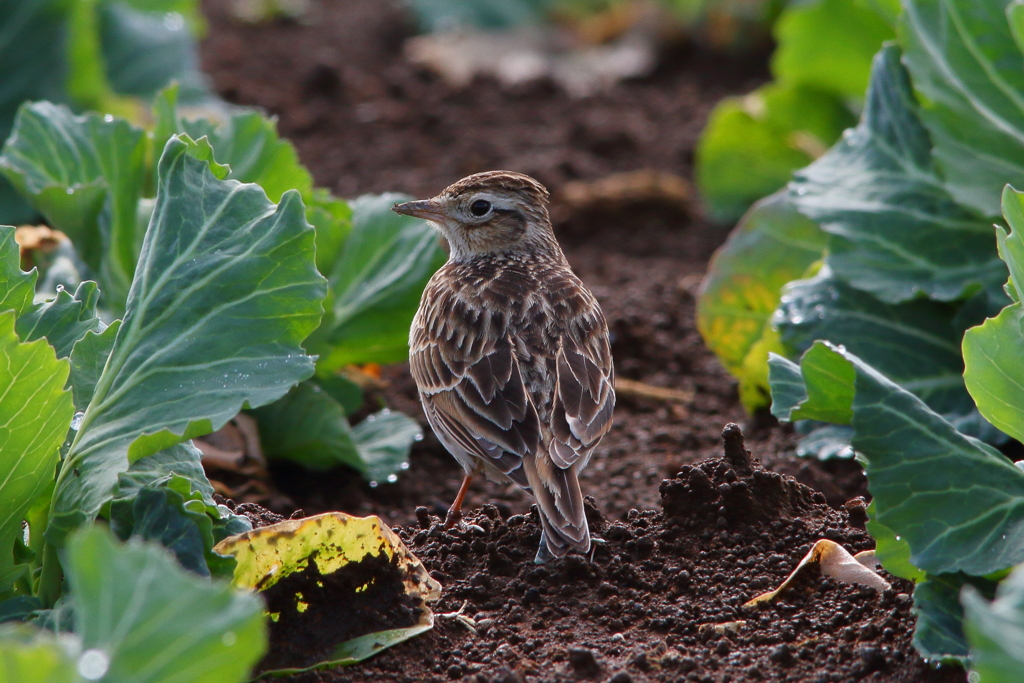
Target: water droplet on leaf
x,y
174,21
93,664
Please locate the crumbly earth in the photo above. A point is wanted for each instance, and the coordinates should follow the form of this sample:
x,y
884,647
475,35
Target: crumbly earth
x,y
662,597
364,120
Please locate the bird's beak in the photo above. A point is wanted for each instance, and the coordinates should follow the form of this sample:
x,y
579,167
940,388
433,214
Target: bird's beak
x,y
427,209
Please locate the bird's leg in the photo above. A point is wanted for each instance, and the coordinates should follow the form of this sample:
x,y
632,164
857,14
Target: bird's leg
x,y
455,511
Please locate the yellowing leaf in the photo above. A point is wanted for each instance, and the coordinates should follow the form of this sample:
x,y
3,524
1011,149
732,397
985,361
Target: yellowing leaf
x,y
772,245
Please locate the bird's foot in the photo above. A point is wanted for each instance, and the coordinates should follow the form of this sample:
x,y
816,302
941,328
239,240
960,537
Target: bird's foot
x,y
453,518
543,554
460,617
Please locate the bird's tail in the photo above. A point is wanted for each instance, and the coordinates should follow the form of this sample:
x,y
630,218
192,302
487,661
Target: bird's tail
x,y
560,502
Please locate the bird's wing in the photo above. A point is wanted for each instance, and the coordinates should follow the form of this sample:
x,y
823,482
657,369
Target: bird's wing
x,y
581,413
471,387
584,390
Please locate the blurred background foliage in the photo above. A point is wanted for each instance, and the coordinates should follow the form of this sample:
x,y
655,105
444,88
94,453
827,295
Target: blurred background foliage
x,y
132,68
752,144
99,53
882,243
732,24
115,57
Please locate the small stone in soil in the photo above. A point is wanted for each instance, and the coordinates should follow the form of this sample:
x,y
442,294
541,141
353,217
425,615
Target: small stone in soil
x,y
423,517
583,662
506,676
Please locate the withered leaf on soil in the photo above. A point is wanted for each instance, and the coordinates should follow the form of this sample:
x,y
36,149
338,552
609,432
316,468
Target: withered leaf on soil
x,y
835,562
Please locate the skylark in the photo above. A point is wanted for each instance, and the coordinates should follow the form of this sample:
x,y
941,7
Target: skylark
x,y
510,351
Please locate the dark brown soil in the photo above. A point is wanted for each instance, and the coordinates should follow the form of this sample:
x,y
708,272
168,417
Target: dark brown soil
x,y
364,120
646,607
307,629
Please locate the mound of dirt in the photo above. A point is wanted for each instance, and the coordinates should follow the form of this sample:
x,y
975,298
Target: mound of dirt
x,y
662,599
746,495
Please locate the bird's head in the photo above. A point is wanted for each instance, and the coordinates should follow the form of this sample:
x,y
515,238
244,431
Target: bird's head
x,y
488,212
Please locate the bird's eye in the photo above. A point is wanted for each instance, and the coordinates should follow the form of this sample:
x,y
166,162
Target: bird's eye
x,y
480,207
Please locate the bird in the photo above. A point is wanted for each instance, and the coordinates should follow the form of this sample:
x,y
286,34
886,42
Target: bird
x,y
510,351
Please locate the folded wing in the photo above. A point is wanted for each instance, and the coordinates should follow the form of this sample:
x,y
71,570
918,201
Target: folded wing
x,y
472,389
584,393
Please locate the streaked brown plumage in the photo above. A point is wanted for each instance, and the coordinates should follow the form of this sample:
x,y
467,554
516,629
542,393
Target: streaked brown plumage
x,y
510,350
